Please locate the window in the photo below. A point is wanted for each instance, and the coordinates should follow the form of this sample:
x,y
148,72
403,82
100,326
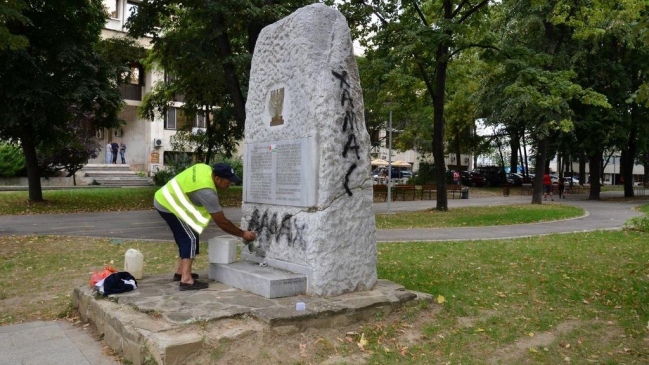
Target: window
x,y
136,75
200,121
170,118
131,9
112,7
169,78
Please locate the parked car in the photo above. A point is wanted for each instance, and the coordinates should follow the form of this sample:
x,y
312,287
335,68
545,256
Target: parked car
x,y
514,180
472,179
494,175
396,173
568,180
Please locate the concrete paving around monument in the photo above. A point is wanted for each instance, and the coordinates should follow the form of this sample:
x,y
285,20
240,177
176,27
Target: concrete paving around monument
x,y
146,224
158,321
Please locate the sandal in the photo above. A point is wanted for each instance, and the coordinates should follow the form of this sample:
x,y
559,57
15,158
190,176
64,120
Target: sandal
x,y
177,277
196,285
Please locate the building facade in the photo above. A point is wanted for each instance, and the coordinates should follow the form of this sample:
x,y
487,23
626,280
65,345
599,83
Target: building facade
x,y
146,140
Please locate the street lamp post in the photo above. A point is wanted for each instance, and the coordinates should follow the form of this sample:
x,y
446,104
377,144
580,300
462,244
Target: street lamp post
x,y
390,161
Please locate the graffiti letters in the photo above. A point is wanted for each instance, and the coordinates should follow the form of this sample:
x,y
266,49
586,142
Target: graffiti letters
x,y
349,119
271,228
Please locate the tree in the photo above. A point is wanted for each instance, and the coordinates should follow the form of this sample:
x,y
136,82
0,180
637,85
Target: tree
x,y
421,41
533,80
205,48
59,73
10,11
76,143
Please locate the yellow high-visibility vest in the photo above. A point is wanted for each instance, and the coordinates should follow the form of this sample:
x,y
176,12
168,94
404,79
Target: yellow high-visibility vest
x,y
173,195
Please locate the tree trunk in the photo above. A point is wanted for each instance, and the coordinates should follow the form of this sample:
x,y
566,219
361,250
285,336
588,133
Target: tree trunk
x,y
33,172
539,171
595,167
628,156
582,169
645,180
515,144
438,126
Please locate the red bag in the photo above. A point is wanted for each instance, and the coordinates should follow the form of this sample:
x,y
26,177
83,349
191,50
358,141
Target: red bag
x,y
97,276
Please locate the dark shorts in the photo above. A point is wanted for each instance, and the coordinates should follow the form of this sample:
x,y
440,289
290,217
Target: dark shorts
x,y
186,238
547,188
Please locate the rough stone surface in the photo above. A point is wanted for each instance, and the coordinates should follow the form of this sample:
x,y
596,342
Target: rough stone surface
x,y
266,281
309,55
140,325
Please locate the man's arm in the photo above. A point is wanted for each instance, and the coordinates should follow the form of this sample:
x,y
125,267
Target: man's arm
x,y
229,227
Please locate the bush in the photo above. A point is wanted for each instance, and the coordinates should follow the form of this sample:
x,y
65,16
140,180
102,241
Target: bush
x,y
236,164
640,224
12,160
163,176
425,175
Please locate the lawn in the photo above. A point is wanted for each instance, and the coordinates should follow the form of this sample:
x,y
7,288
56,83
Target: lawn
x,y
578,298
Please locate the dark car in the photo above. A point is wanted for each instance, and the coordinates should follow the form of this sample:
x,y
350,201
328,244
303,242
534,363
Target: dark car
x,y
495,175
473,179
514,180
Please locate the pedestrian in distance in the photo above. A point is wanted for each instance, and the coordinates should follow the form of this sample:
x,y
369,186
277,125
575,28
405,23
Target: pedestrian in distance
x,y
109,152
115,149
547,187
186,203
456,177
122,151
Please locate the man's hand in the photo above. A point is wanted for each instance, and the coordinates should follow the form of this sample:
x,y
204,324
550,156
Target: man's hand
x,y
249,235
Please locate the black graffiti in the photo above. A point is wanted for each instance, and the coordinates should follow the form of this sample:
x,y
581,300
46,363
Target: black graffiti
x,y
342,77
271,229
346,183
352,139
345,96
350,117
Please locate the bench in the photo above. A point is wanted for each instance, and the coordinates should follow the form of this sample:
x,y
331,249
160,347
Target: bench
x,y
453,189
527,189
428,190
380,191
404,190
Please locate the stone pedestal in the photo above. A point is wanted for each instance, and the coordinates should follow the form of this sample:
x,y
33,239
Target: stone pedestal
x,y
307,183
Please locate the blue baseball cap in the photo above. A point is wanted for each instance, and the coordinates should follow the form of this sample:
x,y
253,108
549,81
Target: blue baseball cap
x,y
225,171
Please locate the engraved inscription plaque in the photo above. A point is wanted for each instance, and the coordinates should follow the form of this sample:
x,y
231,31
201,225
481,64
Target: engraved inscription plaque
x,y
281,172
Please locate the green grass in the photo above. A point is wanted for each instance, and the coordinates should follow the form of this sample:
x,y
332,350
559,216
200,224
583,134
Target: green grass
x,y
517,289
478,216
496,294
94,200
578,298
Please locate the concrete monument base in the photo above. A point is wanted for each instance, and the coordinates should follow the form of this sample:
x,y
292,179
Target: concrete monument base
x,y
157,323
266,281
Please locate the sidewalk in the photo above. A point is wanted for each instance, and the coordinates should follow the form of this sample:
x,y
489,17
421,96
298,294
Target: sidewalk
x,y
58,342
50,343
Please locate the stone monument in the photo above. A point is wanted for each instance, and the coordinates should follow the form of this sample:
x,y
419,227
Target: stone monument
x,y
307,184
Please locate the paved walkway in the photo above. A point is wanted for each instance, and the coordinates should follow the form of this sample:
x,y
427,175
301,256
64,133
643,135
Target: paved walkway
x,y
57,342
147,224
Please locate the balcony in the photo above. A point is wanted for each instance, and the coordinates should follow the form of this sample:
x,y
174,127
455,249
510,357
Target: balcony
x,y
131,92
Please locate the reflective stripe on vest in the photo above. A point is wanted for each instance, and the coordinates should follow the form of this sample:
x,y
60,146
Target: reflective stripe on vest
x,y
182,206
173,196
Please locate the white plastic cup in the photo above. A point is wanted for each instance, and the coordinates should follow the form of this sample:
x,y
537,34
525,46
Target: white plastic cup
x,y
300,306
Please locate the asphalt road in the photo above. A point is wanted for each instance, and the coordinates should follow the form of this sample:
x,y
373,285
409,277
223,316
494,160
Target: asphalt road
x,y
147,224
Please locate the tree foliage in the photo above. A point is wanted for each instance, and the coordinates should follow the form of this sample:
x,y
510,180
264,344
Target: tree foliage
x,y
205,48
10,11
57,75
418,42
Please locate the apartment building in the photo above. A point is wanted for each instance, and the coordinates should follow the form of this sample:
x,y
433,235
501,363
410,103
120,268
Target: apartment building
x,y
147,141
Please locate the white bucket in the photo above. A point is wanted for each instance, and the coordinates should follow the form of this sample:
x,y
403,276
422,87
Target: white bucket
x,y
133,263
